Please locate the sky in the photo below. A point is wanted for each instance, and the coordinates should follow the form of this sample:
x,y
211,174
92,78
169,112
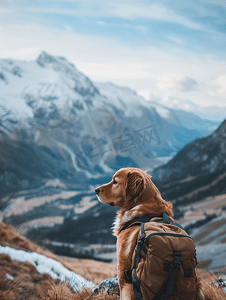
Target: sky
x,y
165,50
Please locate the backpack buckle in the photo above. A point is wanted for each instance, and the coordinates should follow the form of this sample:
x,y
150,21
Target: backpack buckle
x,y
141,239
177,257
167,266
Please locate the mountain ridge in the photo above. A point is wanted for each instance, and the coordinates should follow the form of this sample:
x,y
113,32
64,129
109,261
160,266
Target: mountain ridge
x,y
199,169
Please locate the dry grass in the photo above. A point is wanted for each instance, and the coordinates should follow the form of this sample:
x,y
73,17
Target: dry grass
x,y
63,292
211,291
9,236
91,270
20,280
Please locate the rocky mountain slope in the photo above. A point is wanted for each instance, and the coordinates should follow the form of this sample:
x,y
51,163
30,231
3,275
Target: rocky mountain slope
x,y
24,165
121,96
204,220
197,171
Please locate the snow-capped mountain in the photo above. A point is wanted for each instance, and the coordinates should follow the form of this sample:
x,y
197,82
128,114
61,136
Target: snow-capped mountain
x,y
51,87
123,99
91,129
127,100
40,88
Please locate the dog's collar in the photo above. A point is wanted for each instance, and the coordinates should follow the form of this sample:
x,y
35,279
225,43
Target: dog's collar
x,y
143,219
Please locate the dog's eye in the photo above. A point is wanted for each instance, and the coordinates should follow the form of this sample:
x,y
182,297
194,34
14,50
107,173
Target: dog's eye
x,y
114,181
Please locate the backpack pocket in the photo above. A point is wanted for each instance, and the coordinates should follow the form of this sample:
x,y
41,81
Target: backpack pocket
x,y
188,267
154,267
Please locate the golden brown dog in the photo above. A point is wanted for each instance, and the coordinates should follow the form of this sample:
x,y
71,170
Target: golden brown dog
x,y
133,191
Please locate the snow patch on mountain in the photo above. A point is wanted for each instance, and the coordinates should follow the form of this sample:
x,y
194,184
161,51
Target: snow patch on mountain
x,y
161,110
133,104
123,98
47,84
48,265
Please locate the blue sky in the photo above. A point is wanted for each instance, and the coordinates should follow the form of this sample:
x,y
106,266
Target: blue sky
x,y
162,49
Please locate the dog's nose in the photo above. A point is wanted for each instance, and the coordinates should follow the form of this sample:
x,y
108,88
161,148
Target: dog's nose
x,y
97,191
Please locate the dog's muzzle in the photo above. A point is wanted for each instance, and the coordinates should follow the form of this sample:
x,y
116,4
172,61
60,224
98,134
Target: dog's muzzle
x,y
112,204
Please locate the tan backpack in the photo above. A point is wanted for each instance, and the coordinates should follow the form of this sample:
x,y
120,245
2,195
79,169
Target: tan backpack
x,y
164,261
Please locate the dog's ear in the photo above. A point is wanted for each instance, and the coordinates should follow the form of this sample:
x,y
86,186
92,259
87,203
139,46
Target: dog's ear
x,y
135,185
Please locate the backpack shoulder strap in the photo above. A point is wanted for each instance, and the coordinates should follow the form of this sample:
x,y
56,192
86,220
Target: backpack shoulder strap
x,y
165,218
140,220
178,225
135,281
145,219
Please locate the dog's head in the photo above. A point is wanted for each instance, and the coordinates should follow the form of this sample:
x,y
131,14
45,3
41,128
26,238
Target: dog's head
x,y
126,187
130,187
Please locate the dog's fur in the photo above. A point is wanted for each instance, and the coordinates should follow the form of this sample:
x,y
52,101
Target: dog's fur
x,y
134,192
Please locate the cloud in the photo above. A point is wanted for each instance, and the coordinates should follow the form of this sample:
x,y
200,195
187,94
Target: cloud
x,y
4,11
115,71
216,2
174,82
123,25
127,10
101,23
177,40
68,28
219,86
95,56
111,58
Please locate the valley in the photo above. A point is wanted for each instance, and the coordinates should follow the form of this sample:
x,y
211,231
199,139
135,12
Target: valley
x,y
62,135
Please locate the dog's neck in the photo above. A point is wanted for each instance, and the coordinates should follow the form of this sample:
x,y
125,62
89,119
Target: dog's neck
x,y
125,216
150,209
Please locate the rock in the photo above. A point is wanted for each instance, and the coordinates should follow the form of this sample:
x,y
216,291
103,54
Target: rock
x,y
109,285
